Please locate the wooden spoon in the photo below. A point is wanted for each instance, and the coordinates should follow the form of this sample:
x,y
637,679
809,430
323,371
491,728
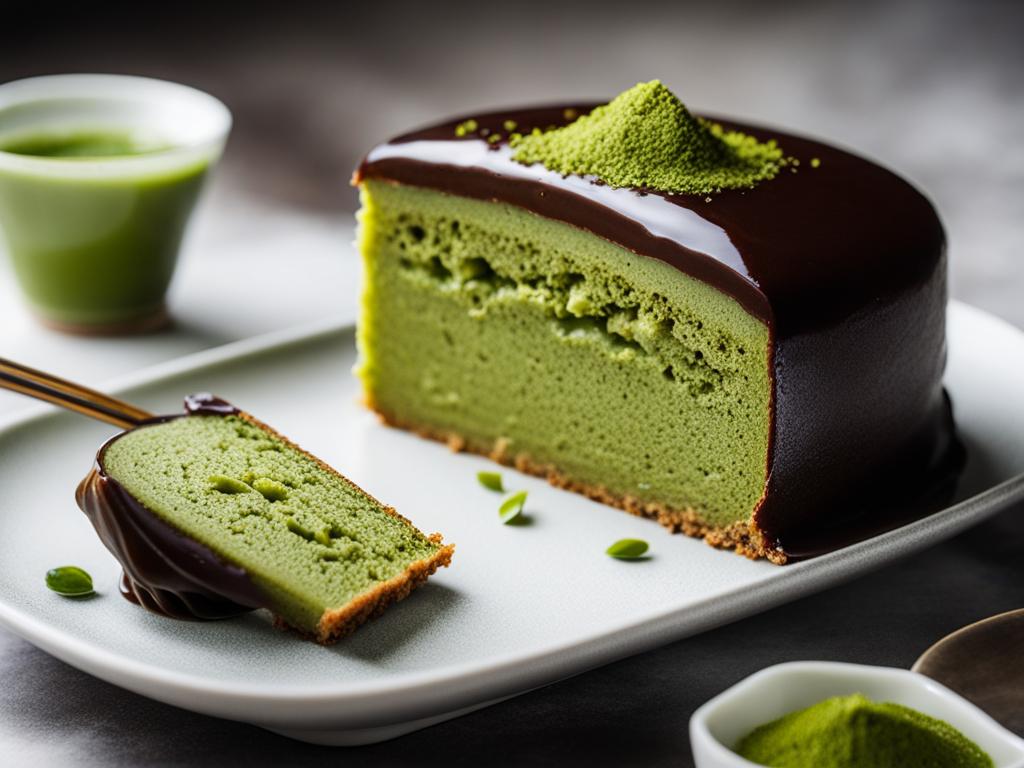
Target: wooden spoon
x,y
984,663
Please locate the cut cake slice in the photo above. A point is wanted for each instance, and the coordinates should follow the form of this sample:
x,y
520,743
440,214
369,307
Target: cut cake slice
x,y
213,513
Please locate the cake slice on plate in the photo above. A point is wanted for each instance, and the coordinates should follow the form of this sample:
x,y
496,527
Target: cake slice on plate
x,y
212,513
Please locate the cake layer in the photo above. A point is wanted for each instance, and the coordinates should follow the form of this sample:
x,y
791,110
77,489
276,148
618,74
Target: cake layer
x,y
541,344
224,504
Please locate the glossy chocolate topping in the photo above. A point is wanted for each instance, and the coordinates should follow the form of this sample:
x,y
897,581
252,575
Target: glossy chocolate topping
x,y
165,571
803,250
842,259
205,404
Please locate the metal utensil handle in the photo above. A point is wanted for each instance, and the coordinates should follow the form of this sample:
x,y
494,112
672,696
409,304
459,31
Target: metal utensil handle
x,y
67,394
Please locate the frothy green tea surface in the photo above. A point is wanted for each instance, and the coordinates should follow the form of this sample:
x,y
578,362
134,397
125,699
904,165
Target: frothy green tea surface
x,y
80,144
855,732
308,538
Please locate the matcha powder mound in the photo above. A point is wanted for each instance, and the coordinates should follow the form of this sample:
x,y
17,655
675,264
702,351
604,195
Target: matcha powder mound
x,y
855,732
646,138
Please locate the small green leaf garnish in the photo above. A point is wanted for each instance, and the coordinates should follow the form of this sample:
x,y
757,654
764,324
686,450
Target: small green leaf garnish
x,y
491,481
512,507
69,581
627,549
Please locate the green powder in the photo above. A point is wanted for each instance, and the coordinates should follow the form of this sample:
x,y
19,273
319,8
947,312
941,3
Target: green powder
x,y
646,138
853,731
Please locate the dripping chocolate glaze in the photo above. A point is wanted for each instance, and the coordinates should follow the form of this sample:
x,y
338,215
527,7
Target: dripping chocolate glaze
x,y
843,260
163,570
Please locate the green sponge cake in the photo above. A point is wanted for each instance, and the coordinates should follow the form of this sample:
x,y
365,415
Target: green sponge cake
x,y
618,365
735,332
214,513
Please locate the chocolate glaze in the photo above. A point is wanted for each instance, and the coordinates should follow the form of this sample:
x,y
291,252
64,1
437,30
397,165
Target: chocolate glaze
x,y
164,570
845,262
205,404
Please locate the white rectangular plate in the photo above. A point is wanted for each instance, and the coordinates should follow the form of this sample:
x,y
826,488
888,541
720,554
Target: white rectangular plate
x,y
520,607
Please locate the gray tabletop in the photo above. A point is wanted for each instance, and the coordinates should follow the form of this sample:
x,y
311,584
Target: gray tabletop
x,y
934,89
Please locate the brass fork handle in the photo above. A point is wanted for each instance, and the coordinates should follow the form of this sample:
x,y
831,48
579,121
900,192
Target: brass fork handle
x,y
67,394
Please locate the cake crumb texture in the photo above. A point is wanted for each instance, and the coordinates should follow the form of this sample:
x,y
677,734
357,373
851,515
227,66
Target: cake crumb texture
x,y
487,325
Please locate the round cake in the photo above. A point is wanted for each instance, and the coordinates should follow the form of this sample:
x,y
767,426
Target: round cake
x,y
758,365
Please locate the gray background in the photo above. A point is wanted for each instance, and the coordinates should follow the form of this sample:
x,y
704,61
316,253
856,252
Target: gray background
x,y
935,90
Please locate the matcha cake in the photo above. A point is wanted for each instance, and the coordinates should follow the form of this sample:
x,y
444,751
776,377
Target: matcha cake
x,y
213,513
737,332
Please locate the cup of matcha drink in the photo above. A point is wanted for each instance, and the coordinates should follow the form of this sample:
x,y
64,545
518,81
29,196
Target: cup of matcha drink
x,y
99,175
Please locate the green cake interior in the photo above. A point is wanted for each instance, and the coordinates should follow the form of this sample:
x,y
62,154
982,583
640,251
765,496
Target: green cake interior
x,y
309,539
542,344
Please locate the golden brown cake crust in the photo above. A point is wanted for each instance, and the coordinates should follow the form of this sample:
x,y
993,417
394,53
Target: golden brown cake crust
x,y
343,621
337,623
741,538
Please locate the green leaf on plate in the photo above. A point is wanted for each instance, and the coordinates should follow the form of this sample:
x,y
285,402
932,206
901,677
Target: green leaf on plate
x,y
512,507
69,581
627,549
491,481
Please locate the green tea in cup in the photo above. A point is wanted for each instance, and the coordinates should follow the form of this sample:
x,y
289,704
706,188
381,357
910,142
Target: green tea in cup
x,y
99,175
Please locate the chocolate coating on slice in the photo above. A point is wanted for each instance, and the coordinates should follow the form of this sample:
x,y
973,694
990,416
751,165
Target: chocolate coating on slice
x,y
165,571
843,261
205,404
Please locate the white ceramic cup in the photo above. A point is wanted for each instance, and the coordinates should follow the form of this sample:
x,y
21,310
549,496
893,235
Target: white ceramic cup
x,y
94,240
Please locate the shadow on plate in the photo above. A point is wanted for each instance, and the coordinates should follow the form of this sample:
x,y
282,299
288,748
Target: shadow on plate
x,y
382,638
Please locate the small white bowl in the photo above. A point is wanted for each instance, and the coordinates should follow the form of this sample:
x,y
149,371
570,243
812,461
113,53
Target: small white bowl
x,y
776,691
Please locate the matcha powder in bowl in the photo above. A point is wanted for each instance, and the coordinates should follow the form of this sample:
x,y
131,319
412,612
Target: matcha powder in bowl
x,y
855,732
645,138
